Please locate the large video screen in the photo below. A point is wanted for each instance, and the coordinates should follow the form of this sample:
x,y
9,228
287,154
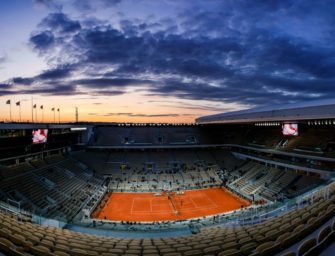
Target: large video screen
x,y
290,129
40,136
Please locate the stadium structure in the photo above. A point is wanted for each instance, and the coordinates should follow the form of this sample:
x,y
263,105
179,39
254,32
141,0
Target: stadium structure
x,y
253,182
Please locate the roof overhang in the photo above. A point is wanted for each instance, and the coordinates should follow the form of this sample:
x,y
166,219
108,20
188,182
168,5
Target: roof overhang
x,y
283,114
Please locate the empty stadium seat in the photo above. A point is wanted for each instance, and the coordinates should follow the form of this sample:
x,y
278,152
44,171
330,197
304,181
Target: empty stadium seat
x,y
306,245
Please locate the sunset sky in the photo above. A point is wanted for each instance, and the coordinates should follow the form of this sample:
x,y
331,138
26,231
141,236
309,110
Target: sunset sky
x,y
163,60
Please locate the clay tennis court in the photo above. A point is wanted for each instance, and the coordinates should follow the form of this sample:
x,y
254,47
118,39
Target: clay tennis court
x,y
148,207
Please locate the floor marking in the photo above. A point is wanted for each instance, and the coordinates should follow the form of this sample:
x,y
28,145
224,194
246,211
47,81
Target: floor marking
x,y
195,206
210,200
132,206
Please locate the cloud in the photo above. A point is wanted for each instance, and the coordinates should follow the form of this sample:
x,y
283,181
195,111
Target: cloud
x,y
110,3
129,114
61,23
49,4
110,82
257,53
107,92
56,73
60,90
183,105
22,80
3,58
86,6
43,40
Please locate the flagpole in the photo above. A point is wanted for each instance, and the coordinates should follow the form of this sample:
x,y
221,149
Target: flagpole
x,y
20,111
10,110
59,115
32,110
36,114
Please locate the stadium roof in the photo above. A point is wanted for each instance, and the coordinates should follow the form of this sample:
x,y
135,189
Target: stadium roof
x,y
324,109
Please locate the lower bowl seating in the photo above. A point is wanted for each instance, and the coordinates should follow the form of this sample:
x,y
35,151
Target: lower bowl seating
x,y
21,237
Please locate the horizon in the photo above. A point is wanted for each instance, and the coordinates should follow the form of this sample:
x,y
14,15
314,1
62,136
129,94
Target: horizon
x,y
171,61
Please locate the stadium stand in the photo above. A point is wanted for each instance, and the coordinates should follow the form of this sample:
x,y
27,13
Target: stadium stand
x,y
266,238
54,187
271,183
48,191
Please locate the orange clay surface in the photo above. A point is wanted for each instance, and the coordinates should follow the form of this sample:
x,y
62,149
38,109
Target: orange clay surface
x,y
148,207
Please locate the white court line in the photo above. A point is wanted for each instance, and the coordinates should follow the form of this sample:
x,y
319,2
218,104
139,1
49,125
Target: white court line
x,y
202,207
194,204
193,208
211,200
132,206
185,210
143,212
198,209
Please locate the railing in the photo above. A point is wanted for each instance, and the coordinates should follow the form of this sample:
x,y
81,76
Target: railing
x,y
325,191
160,188
246,216
13,209
32,154
239,192
96,197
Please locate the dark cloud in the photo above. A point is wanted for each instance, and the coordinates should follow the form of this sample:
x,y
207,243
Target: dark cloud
x,y
43,40
183,105
61,23
250,52
110,82
59,90
107,92
90,6
50,4
141,115
138,115
285,53
110,3
83,5
56,73
6,92
51,74
22,80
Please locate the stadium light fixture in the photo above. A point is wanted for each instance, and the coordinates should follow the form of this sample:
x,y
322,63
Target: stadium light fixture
x,y
78,128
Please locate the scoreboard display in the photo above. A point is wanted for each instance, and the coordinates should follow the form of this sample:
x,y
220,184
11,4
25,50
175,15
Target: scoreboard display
x,y
290,129
40,136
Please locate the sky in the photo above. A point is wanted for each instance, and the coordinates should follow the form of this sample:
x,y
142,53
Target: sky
x,y
162,61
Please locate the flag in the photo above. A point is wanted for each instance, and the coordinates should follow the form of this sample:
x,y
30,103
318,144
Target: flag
x,y
18,103
34,106
53,109
41,107
8,102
